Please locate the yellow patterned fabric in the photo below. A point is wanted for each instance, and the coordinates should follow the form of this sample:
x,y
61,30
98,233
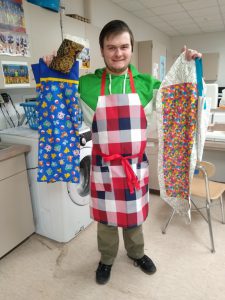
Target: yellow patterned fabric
x,y
66,55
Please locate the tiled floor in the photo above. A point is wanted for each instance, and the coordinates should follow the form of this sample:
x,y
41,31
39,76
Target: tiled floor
x,y
41,269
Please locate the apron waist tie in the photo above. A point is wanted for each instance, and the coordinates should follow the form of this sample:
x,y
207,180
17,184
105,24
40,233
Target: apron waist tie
x,y
132,179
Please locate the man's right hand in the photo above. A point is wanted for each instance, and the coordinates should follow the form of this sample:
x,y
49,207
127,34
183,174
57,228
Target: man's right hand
x,y
48,58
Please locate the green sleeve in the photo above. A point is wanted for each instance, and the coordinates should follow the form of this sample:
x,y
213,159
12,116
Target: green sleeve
x,y
89,89
146,86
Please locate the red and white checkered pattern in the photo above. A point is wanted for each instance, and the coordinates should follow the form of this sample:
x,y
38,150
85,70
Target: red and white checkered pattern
x,y
119,174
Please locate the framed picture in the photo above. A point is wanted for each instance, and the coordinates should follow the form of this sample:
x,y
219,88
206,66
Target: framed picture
x,y
15,74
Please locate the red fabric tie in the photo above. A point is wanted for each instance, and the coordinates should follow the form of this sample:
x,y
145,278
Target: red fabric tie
x,y
132,179
104,81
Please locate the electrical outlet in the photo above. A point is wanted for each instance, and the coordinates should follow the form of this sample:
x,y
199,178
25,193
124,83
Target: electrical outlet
x,y
1,99
6,98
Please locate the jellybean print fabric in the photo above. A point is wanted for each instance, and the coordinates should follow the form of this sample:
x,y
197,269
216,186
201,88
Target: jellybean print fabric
x,y
179,125
179,107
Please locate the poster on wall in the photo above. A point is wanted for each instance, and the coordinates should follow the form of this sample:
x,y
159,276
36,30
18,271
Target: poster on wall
x,y
84,56
12,16
14,44
13,37
162,69
155,70
15,74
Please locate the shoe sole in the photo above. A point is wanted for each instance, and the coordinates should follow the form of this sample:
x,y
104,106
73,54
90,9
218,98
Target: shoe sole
x,y
149,273
102,282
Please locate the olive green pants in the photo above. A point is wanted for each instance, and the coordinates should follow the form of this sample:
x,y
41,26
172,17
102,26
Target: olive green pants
x,y
108,242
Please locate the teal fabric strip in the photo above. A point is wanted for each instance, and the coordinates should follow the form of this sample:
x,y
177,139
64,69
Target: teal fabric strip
x,y
199,73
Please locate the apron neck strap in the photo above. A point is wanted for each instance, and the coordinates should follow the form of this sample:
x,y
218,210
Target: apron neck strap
x,y
104,81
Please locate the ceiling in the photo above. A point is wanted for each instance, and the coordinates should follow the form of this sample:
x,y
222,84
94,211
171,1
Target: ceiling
x,y
179,17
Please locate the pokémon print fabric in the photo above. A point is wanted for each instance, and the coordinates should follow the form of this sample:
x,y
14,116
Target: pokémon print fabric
x,y
59,120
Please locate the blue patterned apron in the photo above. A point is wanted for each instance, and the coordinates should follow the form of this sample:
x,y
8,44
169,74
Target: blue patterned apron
x,y
59,120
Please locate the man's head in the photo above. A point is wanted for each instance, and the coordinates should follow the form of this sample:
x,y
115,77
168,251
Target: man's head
x,y
115,27
116,44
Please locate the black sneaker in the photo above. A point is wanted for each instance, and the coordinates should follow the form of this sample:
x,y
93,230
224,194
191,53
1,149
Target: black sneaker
x,y
103,273
145,263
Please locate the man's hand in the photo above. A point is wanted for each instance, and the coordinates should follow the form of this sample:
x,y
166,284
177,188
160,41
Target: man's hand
x,y
191,54
48,58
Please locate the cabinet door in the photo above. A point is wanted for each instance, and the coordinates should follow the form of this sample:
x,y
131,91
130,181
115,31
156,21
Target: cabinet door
x,y
16,217
152,154
210,63
145,57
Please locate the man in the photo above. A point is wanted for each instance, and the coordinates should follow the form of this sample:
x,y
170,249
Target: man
x,y
115,102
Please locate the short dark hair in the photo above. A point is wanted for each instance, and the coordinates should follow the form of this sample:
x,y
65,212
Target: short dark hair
x,y
115,27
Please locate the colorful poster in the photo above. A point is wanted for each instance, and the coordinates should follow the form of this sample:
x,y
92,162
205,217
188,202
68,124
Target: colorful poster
x,y
13,37
84,56
155,71
12,16
14,44
15,74
162,69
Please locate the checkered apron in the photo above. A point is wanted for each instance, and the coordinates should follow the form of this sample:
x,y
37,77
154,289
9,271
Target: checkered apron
x,y
119,173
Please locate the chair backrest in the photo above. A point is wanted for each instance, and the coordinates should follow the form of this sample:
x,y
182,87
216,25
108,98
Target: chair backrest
x,y
209,168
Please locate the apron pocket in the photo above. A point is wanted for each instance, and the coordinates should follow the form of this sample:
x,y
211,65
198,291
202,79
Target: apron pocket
x,y
143,173
100,178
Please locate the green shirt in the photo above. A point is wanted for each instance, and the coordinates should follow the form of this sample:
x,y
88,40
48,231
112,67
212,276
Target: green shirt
x,y
90,86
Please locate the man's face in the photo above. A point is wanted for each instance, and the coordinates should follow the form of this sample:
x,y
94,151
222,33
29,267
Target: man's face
x,y
117,53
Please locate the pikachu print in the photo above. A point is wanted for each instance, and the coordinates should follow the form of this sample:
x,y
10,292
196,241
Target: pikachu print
x,y
59,121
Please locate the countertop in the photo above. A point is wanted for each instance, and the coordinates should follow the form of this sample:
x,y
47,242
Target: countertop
x,y
11,150
209,145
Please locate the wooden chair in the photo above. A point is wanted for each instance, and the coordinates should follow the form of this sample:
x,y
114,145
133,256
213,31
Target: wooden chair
x,y
207,190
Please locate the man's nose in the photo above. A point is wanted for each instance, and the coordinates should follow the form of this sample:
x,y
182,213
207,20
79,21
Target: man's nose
x,y
118,51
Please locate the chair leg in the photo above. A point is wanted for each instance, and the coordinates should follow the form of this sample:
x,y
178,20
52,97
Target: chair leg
x,y
222,209
210,227
168,222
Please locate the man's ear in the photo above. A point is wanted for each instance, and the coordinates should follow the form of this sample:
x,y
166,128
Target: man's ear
x,y
101,49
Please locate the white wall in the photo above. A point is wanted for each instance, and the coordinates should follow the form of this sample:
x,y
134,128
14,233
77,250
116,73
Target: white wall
x,y
73,7
103,11
40,22
205,43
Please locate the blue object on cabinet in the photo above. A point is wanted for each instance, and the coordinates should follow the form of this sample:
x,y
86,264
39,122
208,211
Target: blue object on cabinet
x,y
50,4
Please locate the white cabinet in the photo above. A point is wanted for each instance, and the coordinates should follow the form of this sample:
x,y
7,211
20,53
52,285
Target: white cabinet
x,y
145,57
210,63
150,56
16,217
152,154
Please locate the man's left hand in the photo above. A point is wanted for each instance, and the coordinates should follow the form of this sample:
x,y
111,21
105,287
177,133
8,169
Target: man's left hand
x,y
191,54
